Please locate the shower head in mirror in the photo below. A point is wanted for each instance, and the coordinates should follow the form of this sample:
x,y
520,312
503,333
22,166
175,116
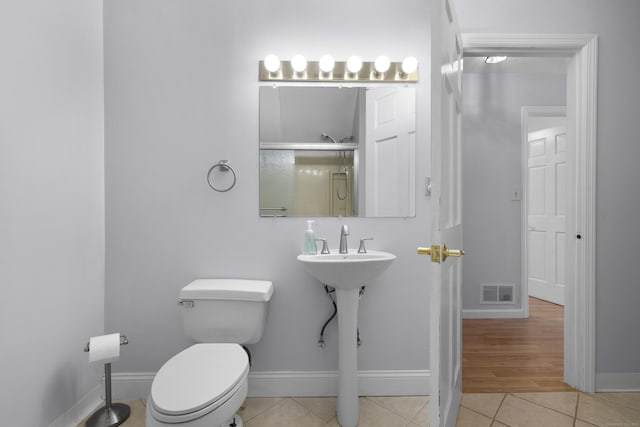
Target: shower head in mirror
x,y
326,136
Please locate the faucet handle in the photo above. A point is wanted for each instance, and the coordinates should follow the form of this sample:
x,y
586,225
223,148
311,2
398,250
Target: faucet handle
x,y
325,248
361,248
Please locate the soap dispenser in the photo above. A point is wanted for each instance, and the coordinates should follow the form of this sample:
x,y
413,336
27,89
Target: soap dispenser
x,y
309,247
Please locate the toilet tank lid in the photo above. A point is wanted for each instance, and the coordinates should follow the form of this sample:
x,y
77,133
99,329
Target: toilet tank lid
x,y
228,289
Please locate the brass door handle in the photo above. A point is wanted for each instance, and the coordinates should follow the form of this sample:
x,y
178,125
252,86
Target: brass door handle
x,y
424,251
440,254
446,252
432,251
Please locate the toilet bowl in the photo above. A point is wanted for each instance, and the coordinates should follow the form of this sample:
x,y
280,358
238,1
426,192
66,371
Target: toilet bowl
x,y
204,385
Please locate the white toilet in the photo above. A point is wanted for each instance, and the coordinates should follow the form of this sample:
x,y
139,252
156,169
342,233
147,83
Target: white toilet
x,y
205,384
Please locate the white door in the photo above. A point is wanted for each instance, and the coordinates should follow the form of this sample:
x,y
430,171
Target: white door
x,y
390,151
546,213
446,228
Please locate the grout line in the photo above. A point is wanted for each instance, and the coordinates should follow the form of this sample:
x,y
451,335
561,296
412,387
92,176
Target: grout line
x,y
474,411
493,419
499,407
394,413
295,399
601,396
278,401
541,406
420,410
380,406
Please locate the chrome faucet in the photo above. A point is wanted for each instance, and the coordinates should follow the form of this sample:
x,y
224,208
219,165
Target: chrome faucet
x,y
344,232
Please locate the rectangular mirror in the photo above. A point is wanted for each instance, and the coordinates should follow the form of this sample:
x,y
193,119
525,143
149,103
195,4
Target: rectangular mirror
x,y
335,151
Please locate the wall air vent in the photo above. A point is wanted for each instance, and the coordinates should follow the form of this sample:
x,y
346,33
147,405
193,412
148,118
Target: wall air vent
x,y
497,294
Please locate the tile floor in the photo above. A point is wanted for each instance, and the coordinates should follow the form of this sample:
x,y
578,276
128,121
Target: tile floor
x,y
555,409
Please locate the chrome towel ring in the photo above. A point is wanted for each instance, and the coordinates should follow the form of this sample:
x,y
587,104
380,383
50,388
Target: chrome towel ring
x,y
224,166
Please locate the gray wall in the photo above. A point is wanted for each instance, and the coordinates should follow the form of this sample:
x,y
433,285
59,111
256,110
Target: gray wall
x,y
491,151
182,93
303,114
618,193
51,205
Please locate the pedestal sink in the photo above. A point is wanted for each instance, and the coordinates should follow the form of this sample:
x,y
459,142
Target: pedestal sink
x,y
347,273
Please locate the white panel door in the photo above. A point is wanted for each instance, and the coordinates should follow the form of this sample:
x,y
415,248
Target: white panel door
x,y
546,229
390,151
446,229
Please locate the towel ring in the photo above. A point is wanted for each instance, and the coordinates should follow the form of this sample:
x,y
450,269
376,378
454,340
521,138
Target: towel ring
x,y
224,166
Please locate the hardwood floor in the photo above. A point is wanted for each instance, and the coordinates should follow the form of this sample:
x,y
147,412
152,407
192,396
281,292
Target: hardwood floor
x,y
515,355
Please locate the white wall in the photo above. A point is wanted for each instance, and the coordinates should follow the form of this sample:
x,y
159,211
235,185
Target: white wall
x,y
491,150
618,194
181,85
51,205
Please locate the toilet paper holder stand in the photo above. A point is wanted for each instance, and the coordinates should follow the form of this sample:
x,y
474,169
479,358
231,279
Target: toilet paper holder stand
x,y
112,414
123,341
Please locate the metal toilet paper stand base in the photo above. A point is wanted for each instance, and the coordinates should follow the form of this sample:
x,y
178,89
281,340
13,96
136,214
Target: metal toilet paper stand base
x,y
112,414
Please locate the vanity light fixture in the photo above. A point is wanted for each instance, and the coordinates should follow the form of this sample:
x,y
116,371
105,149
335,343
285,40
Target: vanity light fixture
x,y
354,64
409,65
494,59
272,63
327,63
327,69
299,63
382,64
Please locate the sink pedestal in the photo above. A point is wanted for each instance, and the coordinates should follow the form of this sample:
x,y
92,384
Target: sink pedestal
x,y
347,402
347,273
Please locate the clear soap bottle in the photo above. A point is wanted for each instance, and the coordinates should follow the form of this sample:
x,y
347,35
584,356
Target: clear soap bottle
x,y
309,247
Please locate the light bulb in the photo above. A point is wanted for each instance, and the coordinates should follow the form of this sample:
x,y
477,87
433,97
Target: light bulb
x,y
494,59
409,65
272,63
382,64
327,63
354,64
298,63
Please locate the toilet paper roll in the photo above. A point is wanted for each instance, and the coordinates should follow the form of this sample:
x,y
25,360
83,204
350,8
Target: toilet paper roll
x,y
104,348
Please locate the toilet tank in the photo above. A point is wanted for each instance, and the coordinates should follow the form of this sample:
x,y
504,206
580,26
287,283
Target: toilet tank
x,y
225,310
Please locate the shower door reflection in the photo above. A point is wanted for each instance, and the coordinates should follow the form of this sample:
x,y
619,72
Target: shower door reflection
x,y
306,183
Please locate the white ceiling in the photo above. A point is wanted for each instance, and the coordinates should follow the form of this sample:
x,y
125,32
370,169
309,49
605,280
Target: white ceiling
x,y
516,65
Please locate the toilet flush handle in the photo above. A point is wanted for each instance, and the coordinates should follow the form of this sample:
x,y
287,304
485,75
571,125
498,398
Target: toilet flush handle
x,y
186,303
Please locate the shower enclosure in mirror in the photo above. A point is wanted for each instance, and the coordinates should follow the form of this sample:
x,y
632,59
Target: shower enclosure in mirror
x,y
332,151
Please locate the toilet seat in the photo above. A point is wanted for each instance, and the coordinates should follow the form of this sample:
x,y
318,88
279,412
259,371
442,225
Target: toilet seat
x,y
197,381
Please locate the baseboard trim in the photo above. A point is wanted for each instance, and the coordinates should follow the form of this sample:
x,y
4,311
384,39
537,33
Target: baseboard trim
x,y
494,314
325,383
80,410
127,386
618,381
133,385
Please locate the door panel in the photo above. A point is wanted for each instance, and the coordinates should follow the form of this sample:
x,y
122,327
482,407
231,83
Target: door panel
x,y
390,150
537,181
446,323
561,189
546,195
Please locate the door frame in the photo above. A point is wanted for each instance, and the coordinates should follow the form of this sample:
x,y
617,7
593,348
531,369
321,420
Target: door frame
x,y
526,112
580,299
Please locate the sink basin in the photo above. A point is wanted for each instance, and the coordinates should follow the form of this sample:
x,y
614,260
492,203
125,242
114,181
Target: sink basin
x,y
347,271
